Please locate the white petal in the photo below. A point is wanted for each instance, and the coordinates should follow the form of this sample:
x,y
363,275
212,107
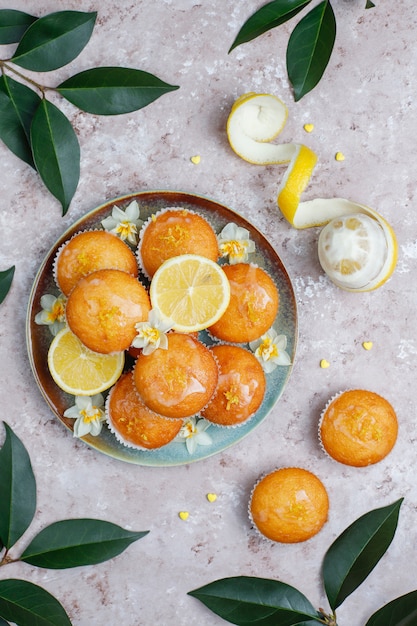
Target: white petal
x,y
97,400
203,439
191,444
83,402
95,427
132,211
47,301
229,231
118,214
109,223
283,359
149,348
73,412
81,427
56,327
269,366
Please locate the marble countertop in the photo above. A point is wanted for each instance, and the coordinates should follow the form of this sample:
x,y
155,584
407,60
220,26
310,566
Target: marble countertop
x,y
365,107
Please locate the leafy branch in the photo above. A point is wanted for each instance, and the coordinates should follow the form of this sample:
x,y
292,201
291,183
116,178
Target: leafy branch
x,y
63,544
311,42
34,128
246,600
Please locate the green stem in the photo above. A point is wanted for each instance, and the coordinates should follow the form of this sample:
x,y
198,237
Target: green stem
x,y
13,70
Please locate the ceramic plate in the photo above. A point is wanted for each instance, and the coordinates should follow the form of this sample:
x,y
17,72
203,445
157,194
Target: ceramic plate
x,y
39,337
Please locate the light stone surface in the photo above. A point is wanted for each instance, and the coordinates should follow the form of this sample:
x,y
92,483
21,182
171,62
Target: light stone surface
x,y
365,106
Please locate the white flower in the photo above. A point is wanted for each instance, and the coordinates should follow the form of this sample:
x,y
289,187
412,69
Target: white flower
x,y
270,350
53,312
125,223
88,412
152,334
235,243
193,432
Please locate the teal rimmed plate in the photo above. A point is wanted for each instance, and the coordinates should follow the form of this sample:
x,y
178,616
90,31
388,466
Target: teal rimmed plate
x,y
39,337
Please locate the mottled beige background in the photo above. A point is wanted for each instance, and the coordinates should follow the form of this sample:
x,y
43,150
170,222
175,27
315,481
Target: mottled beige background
x,y
365,106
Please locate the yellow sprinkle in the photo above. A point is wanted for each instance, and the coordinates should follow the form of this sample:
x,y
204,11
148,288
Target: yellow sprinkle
x,y
195,159
308,128
211,497
183,515
339,156
367,345
324,364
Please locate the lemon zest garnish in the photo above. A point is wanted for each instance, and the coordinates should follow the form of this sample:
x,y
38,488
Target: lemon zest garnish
x,y
254,121
231,396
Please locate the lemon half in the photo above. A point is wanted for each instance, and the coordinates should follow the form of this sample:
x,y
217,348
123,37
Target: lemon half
x,y
78,370
191,290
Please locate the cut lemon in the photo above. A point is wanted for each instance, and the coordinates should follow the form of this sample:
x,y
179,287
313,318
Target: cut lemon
x,y
191,290
355,259
78,370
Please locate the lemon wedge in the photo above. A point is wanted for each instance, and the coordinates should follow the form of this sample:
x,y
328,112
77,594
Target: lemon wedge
x,y
357,254
191,290
78,370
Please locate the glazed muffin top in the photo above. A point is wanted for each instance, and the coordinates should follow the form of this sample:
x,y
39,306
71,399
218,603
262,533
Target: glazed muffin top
x,y
289,505
175,231
103,309
253,304
179,381
358,427
88,252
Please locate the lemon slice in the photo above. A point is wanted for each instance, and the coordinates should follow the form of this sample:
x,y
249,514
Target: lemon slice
x,y
78,370
191,290
355,259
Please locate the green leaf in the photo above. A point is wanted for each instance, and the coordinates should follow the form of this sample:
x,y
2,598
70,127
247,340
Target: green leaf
x,y
245,600
26,604
6,278
113,90
355,553
310,47
13,24
400,612
17,489
269,16
54,40
56,152
369,4
75,542
3,622
18,104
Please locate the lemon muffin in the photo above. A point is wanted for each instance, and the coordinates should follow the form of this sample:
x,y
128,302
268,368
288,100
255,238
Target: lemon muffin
x,y
172,232
179,381
104,307
132,422
253,304
358,428
241,387
88,252
289,505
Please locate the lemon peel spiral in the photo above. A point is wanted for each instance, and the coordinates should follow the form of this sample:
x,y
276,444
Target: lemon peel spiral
x,y
255,120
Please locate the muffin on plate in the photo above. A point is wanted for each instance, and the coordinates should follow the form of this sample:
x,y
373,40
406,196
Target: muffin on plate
x,y
88,252
177,382
253,304
241,387
175,231
104,307
132,422
289,505
358,427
